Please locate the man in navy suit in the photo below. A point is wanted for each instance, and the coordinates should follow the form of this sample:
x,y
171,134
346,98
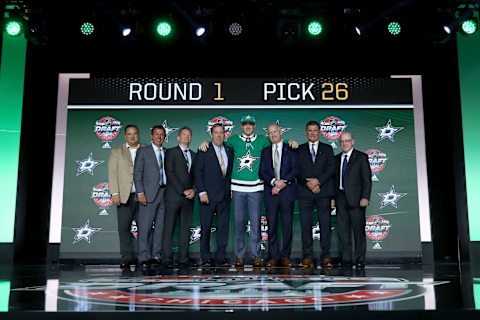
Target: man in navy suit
x,y
315,189
353,188
278,170
213,170
150,182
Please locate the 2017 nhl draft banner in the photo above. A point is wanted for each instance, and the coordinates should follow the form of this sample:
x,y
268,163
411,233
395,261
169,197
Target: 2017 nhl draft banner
x,y
384,113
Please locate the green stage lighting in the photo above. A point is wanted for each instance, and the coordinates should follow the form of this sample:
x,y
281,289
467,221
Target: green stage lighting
x,y
394,28
164,29
469,26
314,28
87,28
14,28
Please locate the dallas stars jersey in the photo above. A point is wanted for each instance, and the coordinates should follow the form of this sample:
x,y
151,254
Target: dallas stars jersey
x,y
246,163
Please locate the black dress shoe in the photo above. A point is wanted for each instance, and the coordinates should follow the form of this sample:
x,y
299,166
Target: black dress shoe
x,y
144,265
223,264
155,262
207,264
360,265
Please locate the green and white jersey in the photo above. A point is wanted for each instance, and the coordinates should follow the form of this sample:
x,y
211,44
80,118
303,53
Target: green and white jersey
x,y
247,151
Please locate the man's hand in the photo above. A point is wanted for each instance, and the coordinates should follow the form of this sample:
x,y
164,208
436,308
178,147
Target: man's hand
x,y
189,193
116,199
292,143
275,191
280,184
142,198
363,202
316,189
203,146
312,183
332,203
204,198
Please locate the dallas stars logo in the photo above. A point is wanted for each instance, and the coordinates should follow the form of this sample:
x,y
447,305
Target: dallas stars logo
x,y
281,128
246,162
196,233
391,198
87,165
387,132
168,130
84,233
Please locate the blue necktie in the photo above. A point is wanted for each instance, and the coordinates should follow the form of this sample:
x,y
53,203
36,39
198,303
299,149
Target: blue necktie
x,y
344,167
160,165
313,152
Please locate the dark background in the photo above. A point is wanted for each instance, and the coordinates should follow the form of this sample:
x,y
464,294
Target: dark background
x,y
420,49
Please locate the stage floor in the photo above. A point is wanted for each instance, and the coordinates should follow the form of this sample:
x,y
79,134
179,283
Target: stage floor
x,y
93,288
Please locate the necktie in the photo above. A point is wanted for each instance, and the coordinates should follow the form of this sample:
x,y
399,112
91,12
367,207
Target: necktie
x,y
221,162
276,163
313,152
160,166
344,167
185,153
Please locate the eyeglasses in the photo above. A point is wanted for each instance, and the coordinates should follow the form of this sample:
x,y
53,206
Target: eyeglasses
x,y
346,141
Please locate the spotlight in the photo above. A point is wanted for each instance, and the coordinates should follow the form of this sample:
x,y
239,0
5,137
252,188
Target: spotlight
x,y
164,29
315,28
126,31
200,31
14,27
235,29
87,28
358,30
394,28
469,26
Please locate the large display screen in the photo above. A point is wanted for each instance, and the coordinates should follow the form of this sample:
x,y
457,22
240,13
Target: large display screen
x,y
384,114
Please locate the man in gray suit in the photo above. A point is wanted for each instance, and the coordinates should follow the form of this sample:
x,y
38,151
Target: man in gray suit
x,y
179,195
122,189
150,182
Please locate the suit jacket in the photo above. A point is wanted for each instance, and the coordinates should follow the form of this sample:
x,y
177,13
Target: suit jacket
x,y
120,172
208,175
358,177
288,171
178,177
323,169
146,173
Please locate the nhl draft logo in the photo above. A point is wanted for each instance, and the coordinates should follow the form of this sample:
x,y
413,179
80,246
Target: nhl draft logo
x,y
107,128
377,228
377,160
227,124
332,127
316,232
101,197
134,229
196,233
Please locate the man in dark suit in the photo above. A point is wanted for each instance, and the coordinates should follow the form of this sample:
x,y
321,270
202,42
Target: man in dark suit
x,y
315,189
150,182
213,170
278,170
179,195
122,189
353,188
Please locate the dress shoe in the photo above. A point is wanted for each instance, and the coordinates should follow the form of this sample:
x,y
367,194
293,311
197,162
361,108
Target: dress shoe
x,y
207,264
257,263
286,263
326,263
307,263
125,264
360,265
186,265
223,264
144,265
239,263
272,263
155,262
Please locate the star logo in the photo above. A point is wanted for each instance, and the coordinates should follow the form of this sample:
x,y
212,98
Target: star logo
x,y
391,198
84,233
196,233
281,128
387,132
87,165
316,232
168,130
246,162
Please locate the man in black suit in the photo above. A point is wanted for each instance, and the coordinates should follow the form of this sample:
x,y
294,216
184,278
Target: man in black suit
x,y
278,170
315,189
150,182
213,170
353,188
179,195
